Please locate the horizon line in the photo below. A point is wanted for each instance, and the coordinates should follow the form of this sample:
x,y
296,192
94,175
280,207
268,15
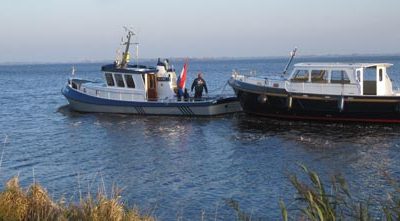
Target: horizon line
x,y
88,61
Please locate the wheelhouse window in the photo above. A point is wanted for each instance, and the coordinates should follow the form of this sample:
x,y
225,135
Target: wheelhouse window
x,y
129,81
119,80
110,79
339,77
300,76
319,76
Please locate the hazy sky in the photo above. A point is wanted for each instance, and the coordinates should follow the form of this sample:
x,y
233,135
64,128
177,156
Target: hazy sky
x,y
75,30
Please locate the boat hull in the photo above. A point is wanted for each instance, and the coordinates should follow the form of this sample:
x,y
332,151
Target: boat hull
x,y
85,103
278,103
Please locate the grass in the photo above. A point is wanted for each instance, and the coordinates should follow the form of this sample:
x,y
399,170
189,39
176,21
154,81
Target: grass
x,y
35,204
315,201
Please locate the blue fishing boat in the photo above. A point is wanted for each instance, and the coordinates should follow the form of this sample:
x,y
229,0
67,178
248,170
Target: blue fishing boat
x,y
139,89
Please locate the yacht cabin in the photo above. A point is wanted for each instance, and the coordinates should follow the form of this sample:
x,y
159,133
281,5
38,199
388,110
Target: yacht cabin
x,y
340,79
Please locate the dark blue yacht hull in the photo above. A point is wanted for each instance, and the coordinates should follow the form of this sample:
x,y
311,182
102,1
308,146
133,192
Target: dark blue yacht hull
x,y
278,103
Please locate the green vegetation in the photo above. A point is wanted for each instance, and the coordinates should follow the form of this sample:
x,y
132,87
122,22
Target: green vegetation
x,y
316,202
34,203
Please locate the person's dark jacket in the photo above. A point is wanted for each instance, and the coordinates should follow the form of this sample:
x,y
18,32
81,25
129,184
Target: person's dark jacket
x,y
198,85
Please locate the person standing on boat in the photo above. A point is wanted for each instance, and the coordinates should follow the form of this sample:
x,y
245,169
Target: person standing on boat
x,y
183,94
186,95
199,84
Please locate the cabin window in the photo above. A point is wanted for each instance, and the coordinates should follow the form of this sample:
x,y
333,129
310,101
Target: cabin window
x,y
119,80
339,77
109,79
300,76
380,75
319,76
129,81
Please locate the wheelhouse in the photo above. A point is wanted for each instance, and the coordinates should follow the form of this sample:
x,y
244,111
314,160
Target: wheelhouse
x,y
140,81
123,80
341,79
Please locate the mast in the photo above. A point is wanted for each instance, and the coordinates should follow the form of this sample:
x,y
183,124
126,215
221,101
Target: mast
x,y
125,55
292,54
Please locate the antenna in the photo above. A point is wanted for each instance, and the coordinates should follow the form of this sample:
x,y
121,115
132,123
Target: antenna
x,y
130,29
292,54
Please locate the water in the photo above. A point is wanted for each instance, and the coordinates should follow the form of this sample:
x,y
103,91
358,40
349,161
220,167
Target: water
x,y
174,167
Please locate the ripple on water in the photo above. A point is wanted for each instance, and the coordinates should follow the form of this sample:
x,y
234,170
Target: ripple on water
x,y
177,167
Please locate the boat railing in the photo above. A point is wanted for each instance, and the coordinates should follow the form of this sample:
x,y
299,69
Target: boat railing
x,y
302,87
137,96
76,83
190,99
114,95
323,88
259,81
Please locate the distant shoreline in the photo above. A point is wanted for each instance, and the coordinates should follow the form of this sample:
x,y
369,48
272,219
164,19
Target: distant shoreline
x,y
203,59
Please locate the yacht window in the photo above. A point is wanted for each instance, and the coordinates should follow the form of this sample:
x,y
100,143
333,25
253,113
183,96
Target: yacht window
x,y
339,77
109,79
300,76
119,80
380,75
319,76
370,74
129,81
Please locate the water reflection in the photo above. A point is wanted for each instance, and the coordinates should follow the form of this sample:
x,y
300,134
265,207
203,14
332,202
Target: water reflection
x,y
319,134
181,164
174,160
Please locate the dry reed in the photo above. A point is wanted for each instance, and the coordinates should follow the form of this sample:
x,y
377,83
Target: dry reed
x,y
34,203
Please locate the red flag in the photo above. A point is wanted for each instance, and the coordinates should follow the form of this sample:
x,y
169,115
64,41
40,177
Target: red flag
x,y
182,77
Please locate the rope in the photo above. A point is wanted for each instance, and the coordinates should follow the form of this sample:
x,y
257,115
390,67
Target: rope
x,y
221,90
217,89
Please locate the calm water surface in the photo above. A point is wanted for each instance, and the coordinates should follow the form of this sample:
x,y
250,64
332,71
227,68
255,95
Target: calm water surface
x,y
176,167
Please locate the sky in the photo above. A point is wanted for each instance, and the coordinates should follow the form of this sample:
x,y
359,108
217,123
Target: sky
x,y
91,30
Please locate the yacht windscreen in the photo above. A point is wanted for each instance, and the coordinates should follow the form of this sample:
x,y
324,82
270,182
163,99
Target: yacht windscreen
x,y
339,77
319,76
300,76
